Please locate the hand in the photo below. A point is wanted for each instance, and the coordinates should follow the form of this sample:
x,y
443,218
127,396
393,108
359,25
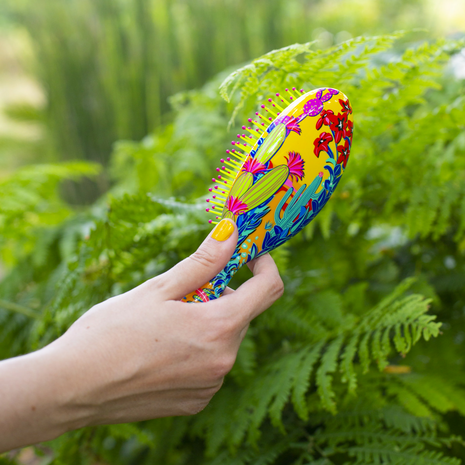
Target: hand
x,y
141,355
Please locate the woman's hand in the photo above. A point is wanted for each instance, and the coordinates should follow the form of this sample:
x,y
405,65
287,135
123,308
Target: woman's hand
x,y
141,355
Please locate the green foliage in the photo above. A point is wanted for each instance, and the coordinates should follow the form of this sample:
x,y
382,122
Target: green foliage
x,y
107,67
351,365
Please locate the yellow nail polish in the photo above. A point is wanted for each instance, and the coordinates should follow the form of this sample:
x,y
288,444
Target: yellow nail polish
x,y
223,230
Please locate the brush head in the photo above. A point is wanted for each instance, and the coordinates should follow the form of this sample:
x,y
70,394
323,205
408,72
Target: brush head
x,y
279,174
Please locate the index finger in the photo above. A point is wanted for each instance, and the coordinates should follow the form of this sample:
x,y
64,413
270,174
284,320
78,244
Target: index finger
x,y
257,294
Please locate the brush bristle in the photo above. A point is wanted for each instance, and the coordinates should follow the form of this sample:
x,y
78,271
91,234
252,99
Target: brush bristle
x,y
236,157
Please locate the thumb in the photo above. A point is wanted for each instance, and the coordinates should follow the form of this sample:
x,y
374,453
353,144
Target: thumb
x,y
203,265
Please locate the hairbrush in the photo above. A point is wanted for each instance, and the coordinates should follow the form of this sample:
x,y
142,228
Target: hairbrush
x,y
279,174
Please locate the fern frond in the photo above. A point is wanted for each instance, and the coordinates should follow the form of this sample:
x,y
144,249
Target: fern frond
x,y
324,374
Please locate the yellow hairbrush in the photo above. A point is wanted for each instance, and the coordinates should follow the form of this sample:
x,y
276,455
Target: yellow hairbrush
x,y
279,174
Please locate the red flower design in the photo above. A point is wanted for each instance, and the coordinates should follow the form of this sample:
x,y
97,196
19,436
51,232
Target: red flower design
x,y
296,165
338,123
346,108
348,130
235,206
293,125
325,118
253,166
344,153
321,144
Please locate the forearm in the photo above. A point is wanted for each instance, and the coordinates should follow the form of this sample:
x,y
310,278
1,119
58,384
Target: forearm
x,y
34,404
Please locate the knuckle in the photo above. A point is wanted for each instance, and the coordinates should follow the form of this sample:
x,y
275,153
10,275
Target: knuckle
x,y
200,401
205,256
219,328
222,366
278,287
225,327
195,407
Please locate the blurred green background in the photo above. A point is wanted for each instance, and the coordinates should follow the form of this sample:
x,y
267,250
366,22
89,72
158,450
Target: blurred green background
x,y
111,125
78,75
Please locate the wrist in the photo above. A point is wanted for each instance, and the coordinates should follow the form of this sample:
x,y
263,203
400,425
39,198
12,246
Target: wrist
x,y
37,399
69,409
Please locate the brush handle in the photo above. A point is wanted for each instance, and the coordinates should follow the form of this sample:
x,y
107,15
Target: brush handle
x,y
215,288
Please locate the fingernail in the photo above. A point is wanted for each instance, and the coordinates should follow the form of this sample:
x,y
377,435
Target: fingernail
x,y
223,230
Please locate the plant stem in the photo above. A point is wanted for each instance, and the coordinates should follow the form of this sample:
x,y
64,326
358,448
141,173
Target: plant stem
x,y
19,309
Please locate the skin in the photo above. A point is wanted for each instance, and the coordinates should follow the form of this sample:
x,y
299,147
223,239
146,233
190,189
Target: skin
x,y
137,356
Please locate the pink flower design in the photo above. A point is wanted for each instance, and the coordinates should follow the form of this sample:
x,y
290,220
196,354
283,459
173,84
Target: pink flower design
x,y
293,125
295,165
253,166
234,205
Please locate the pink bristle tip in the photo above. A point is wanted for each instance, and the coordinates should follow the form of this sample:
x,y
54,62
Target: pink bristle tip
x,y
243,127
301,90
256,113
293,88
263,106
208,200
269,100
222,160
224,168
291,98
287,90
210,221
219,176
277,95
249,120
271,119
214,196
213,208
213,179
233,143
211,188
217,169
207,209
227,151
229,159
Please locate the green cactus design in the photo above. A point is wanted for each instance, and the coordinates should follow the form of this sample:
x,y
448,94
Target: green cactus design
x,y
240,186
265,187
300,199
271,144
